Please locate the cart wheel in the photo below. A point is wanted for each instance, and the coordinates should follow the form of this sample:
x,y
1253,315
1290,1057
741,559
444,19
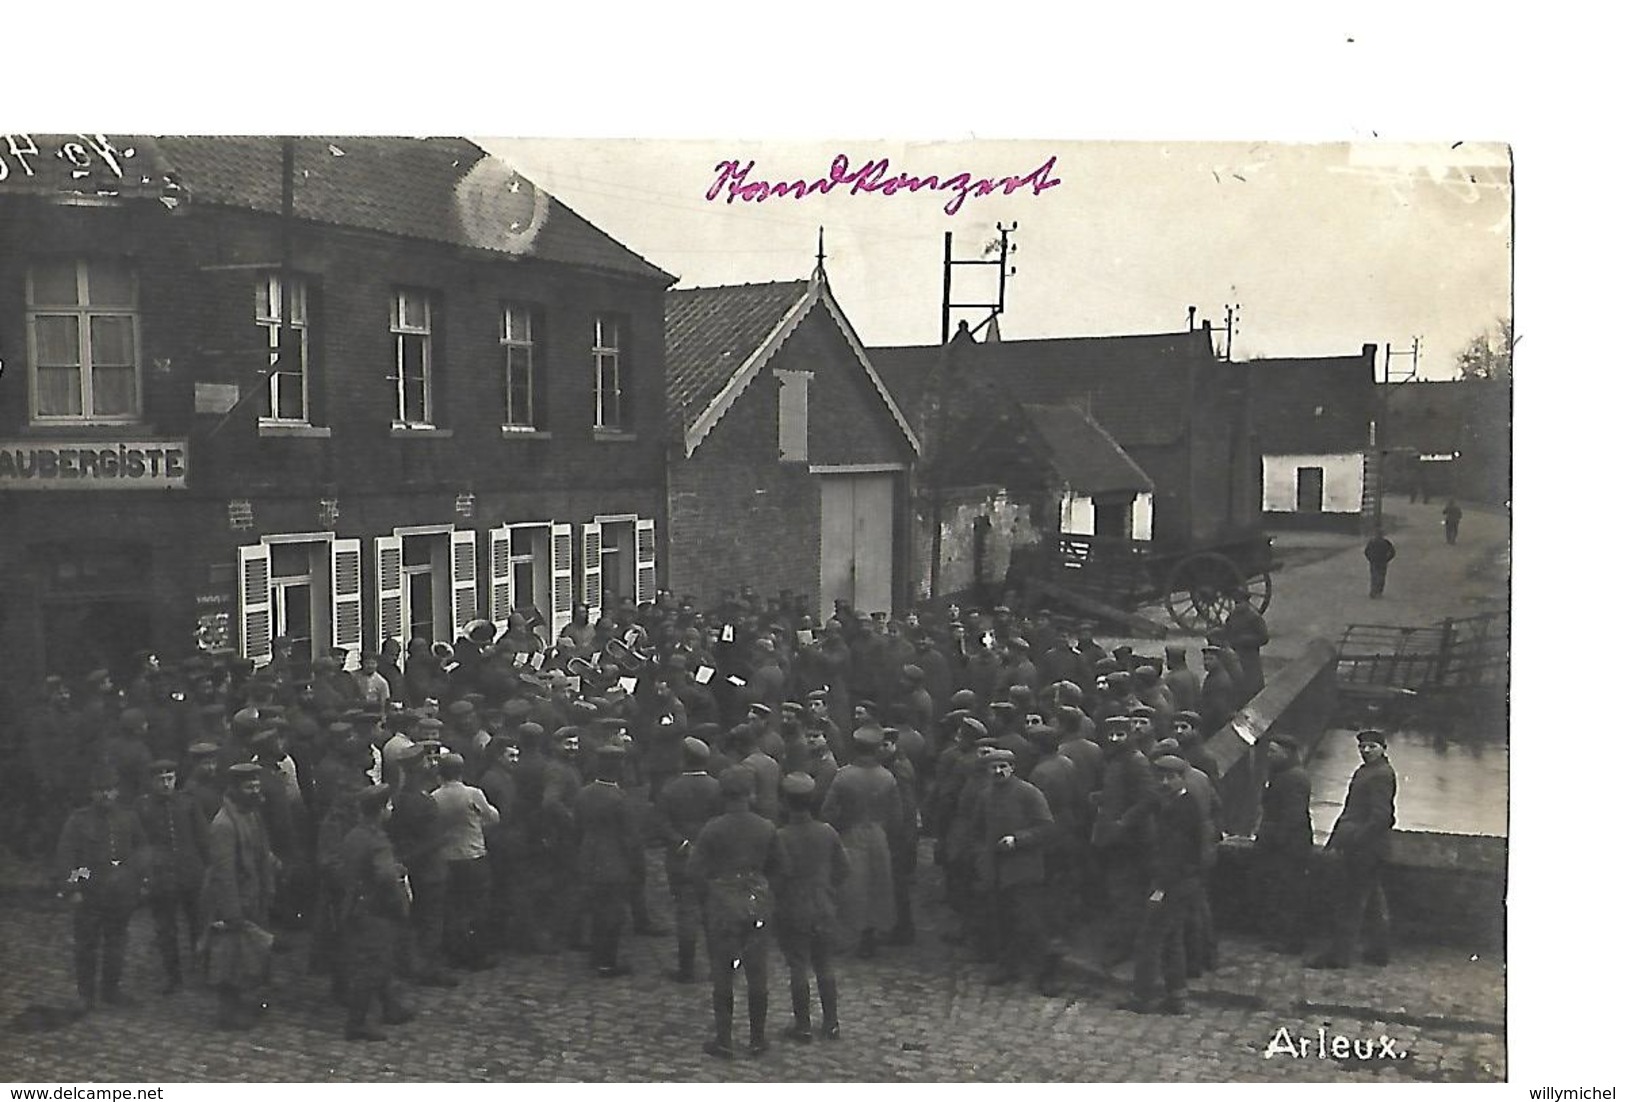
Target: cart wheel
x,y
1259,591
1200,591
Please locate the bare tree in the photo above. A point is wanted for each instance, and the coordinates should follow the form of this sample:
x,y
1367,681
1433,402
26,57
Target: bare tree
x,y
1488,355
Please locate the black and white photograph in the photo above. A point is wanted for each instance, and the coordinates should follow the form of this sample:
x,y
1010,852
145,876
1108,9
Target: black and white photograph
x,y
484,606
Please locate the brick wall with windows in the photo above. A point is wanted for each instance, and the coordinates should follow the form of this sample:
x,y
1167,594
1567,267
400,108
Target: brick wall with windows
x,y
204,313
737,514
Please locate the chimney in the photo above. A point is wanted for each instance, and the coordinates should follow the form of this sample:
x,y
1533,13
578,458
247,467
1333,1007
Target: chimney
x,y
1190,318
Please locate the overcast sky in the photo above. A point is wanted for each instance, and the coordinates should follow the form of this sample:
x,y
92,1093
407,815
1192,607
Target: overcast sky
x,y
1325,247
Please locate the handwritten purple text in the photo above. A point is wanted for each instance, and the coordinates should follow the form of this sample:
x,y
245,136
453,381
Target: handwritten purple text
x,y
733,182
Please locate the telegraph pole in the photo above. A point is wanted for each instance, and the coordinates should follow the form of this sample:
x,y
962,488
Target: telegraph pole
x,y
1005,251
1390,378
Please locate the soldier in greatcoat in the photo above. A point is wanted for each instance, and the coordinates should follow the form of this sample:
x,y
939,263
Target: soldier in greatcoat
x,y
863,805
373,917
813,869
101,857
732,861
685,804
1011,824
178,837
236,899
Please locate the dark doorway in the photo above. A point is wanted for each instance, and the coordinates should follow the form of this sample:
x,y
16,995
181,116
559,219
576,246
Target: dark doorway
x,y
83,634
1311,489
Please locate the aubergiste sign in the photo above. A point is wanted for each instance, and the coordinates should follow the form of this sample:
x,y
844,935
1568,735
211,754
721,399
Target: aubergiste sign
x,y
93,465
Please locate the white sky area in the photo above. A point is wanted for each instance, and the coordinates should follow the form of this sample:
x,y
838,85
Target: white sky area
x,y
1324,246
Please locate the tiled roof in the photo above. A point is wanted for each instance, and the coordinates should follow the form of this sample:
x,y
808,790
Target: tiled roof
x,y
1083,453
1136,387
437,189
1312,406
710,332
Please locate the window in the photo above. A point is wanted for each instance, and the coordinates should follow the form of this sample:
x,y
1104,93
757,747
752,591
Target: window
x,y
608,375
522,557
83,341
409,320
286,391
523,379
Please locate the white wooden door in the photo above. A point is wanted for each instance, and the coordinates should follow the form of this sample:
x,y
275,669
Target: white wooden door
x,y
856,544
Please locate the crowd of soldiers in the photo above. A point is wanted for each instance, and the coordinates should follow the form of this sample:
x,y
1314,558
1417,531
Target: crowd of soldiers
x,y
498,797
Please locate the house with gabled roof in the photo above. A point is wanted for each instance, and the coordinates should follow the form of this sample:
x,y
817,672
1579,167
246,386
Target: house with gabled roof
x,y
337,390
1143,437
1315,421
790,461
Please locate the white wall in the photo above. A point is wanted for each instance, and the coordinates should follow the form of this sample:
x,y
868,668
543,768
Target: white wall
x,y
1078,515
1141,517
1345,481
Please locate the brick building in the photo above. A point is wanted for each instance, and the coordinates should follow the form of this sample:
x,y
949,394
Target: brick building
x,y
343,391
791,462
1143,436
1315,420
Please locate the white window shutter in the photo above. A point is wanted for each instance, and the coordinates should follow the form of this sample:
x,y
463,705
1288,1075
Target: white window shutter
x,y
592,570
646,560
345,556
465,598
501,575
563,578
254,603
386,552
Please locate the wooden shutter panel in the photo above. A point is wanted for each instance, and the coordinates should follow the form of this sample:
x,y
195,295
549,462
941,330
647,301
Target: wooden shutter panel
x,y
592,570
563,578
254,602
345,556
646,560
501,575
465,598
390,582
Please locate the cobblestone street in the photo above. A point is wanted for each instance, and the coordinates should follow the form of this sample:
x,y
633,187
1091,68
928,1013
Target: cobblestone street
x,y
918,1014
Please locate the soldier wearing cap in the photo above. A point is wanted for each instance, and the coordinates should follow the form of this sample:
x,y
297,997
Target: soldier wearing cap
x,y
203,778
684,805
1183,841
731,862
1246,633
507,843
864,806
373,917
905,838
1285,843
238,890
611,856
805,889
1181,681
1118,698
414,830
465,814
1187,732
1361,841
1010,826
1121,841
1218,692
177,830
956,771
99,859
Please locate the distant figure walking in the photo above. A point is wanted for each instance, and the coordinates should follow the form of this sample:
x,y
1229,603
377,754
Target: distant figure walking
x,y
1452,521
1379,552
